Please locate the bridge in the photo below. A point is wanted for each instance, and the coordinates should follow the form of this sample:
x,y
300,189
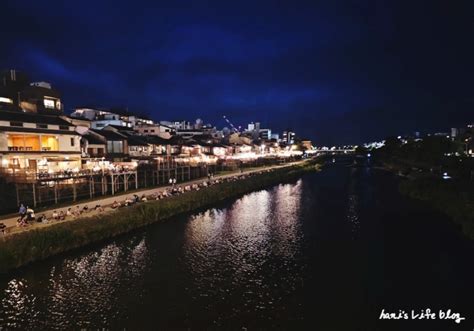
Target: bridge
x,y
331,151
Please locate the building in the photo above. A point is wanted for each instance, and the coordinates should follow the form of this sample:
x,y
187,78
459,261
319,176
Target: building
x,y
306,144
239,139
179,125
101,118
116,144
253,129
93,145
159,130
288,137
275,136
265,134
138,146
37,143
17,92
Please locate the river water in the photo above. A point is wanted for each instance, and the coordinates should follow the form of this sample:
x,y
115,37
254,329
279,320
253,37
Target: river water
x,y
326,252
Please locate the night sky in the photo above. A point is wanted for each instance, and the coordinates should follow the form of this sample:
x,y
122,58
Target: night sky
x,y
336,72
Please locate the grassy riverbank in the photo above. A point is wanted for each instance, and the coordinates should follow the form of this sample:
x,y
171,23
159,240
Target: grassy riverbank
x,y
424,162
22,248
454,198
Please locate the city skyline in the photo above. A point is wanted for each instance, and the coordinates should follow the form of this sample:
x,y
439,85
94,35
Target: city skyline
x,y
335,74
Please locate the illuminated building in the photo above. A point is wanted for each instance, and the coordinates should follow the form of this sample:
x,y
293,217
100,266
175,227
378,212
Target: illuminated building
x,y
37,142
306,144
17,92
159,130
101,117
116,144
178,125
265,134
288,137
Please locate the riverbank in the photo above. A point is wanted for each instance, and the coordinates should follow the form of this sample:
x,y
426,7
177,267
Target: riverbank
x,y
454,198
105,202
21,248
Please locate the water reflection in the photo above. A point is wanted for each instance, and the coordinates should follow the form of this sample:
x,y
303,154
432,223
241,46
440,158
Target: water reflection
x,y
222,262
231,253
76,292
249,265
353,204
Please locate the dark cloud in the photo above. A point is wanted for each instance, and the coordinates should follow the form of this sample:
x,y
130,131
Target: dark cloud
x,y
338,72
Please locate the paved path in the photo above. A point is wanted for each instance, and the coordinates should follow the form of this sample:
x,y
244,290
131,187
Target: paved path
x,y
109,200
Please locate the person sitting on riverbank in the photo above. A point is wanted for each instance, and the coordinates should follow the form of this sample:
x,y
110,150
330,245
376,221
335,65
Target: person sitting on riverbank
x,y
77,212
85,209
62,215
2,228
55,215
30,214
144,198
69,212
115,205
136,198
21,222
42,219
128,202
98,208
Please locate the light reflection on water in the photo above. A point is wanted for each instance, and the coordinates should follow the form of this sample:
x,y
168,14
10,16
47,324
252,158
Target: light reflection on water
x,y
330,250
230,254
73,291
235,260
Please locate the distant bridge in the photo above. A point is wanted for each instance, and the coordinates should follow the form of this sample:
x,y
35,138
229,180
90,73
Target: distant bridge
x,y
331,151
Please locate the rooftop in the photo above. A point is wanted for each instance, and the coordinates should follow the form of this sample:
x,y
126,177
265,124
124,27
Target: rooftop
x,y
19,116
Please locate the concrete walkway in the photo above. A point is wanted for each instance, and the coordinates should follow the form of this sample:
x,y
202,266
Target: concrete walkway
x,y
106,202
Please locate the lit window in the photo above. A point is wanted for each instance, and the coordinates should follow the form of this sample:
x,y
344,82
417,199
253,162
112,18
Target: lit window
x,y
49,143
23,142
48,103
6,100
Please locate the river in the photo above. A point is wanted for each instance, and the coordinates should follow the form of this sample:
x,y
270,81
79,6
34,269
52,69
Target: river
x,y
326,252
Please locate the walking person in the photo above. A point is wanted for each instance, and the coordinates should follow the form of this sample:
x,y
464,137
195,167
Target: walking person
x,y
22,211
